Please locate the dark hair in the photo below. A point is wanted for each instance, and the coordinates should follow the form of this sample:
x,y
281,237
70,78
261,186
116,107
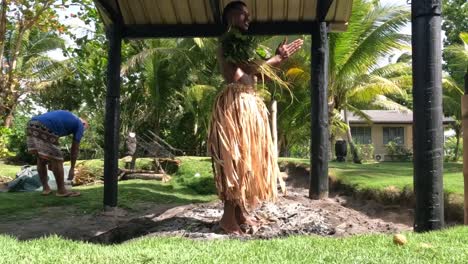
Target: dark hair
x,y
230,7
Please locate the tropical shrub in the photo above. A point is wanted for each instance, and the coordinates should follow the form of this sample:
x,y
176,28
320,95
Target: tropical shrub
x,y
450,146
398,152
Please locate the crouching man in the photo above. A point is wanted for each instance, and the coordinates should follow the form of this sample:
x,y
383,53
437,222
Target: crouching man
x,y
43,133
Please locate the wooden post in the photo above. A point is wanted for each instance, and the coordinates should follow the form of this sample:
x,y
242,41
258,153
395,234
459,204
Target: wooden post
x,y
112,118
319,113
465,150
427,114
274,127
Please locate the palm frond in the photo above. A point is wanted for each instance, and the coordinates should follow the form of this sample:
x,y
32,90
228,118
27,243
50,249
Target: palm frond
x,y
383,102
358,112
393,69
380,38
146,54
450,86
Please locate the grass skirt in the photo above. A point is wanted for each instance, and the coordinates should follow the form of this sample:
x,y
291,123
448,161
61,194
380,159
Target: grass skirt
x,y
240,143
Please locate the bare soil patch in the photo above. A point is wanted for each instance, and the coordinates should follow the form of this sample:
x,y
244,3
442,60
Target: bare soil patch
x,y
294,214
291,214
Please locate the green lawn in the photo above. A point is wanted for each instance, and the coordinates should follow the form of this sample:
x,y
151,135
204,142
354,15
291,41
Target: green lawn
x,y
447,246
192,184
130,193
381,175
378,176
7,170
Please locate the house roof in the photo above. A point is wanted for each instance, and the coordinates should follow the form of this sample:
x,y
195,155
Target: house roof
x,y
177,18
388,117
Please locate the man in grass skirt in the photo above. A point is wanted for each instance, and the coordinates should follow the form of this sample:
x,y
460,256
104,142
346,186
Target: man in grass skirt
x,y
240,139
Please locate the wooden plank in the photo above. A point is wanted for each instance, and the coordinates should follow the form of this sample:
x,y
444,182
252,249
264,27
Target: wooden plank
x,y
253,9
294,9
338,27
146,12
126,14
182,9
310,10
198,11
262,10
279,9
152,11
208,13
136,10
167,12
301,11
349,10
215,10
251,6
145,176
343,10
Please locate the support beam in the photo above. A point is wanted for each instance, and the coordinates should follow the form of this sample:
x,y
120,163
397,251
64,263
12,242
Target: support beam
x,y
107,9
172,31
465,145
214,30
319,113
427,114
112,117
464,104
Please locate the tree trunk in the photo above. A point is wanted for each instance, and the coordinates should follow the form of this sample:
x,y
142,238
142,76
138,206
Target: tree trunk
x,y
331,154
457,145
9,117
356,158
2,32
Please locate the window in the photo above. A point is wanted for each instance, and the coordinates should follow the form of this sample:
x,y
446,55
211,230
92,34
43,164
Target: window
x,y
395,134
361,135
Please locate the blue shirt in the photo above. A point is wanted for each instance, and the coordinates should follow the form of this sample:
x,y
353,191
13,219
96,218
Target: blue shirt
x,y
62,123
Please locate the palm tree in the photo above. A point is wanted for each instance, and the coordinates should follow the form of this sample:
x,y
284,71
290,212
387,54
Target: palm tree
x,y
32,70
178,77
372,34
356,81
154,64
453,89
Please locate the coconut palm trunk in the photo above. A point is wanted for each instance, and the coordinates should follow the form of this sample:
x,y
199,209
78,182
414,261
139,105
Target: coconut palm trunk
x,y
354,152
457,145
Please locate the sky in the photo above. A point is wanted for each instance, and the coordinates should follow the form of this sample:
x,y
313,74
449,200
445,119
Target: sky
x,y
78,27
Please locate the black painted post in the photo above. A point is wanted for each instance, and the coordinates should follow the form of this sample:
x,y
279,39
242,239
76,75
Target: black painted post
x,y
112,118
319,113
427,115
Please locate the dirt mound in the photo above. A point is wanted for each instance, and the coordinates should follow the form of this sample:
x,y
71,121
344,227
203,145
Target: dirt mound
x,y
293,214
